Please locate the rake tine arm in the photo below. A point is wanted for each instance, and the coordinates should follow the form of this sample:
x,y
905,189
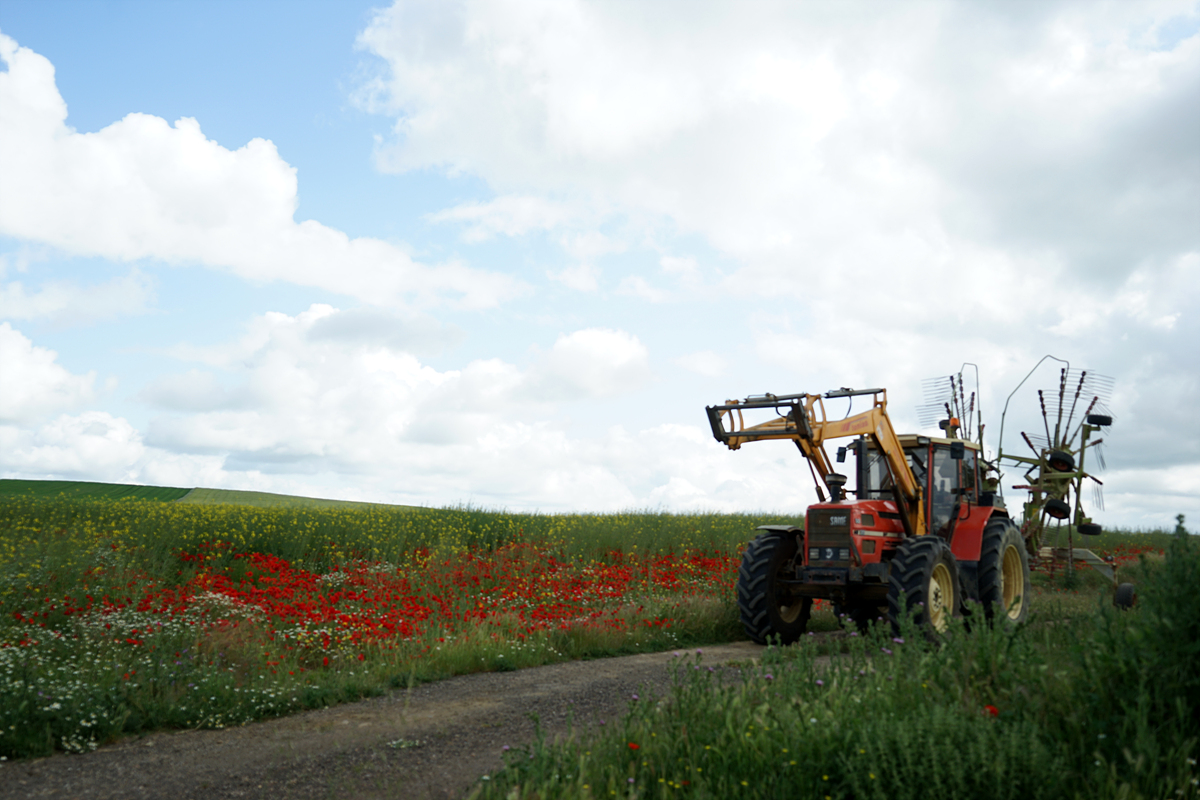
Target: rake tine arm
x,y
1078,390
962,401
1045,419
1083,419
1062,392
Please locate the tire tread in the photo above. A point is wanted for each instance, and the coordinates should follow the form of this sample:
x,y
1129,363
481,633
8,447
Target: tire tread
x,y
753,589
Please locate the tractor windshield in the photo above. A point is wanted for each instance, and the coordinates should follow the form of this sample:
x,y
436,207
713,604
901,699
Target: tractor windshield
x,y
875,480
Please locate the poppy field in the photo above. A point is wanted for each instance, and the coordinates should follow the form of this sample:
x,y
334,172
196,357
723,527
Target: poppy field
x,y
124,615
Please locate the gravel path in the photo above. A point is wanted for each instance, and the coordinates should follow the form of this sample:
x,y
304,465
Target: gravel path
x,y
346,752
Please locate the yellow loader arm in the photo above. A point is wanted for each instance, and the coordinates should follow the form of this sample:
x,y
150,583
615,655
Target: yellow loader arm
x,y
802,420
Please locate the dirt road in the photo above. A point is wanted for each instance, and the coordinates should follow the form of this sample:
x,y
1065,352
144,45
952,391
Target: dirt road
x,y
433,742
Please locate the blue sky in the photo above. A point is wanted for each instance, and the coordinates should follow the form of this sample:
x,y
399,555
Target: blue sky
x,y
505,253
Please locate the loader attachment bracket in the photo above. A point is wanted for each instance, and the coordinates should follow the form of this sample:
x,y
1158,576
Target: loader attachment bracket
x,y
792,422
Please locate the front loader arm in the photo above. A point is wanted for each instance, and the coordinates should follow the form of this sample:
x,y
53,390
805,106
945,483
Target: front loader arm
x,y
802,420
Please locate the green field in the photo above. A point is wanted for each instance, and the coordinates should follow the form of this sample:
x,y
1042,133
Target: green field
x,y
85,490
88,490
129,609
270,500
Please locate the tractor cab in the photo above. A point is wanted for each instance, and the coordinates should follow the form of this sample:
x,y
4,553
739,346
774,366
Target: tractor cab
x,y
947,470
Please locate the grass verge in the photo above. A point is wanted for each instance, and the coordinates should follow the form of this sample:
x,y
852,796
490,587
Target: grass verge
x,y
1078,703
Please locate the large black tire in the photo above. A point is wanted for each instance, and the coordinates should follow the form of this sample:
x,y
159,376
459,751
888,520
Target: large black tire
x,y
1004,585
1058,509
1125,597
767,608
924,570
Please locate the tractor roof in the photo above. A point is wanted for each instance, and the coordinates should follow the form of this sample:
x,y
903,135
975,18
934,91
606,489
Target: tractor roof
x,y
910,440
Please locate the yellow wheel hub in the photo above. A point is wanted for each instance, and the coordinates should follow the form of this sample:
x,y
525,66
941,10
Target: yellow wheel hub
x,y
790,614
1012,583
941,598
789,607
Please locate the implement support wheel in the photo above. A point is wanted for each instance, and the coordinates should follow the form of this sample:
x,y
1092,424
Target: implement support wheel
x,y
925,571
1004,586
767,607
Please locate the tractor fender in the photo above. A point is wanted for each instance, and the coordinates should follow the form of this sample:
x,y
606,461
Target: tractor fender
x,y
968,533
781,528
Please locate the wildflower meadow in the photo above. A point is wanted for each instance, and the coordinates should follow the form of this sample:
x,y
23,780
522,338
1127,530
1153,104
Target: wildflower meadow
x,y
123,611
124,615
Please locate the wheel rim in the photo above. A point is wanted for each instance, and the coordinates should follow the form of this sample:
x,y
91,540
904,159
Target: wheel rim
x,y
1012,583
789,614
941,597
788,607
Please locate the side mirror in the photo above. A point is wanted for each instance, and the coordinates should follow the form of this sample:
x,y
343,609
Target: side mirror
x,y
841,455
957,450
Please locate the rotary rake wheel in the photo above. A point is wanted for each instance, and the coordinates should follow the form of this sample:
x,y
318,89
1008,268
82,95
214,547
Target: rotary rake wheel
x,y
1054,473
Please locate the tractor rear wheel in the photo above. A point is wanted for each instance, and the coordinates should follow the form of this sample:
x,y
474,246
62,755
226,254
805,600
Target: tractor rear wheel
x,y
925,572
768,608
1004,586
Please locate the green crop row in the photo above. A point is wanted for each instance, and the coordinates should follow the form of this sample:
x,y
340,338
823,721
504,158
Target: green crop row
x,y
87,490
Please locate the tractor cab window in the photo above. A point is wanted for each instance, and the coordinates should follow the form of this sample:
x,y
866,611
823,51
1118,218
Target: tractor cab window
x,y
875,479
944,488
968,476
917,457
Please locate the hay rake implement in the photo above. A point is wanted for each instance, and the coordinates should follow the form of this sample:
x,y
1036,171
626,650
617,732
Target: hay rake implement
x,y
1054,472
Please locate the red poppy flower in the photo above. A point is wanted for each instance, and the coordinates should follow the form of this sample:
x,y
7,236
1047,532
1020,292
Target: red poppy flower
x,y
995,712
634,745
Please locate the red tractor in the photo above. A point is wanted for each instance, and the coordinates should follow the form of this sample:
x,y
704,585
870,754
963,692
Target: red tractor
x,y
919,530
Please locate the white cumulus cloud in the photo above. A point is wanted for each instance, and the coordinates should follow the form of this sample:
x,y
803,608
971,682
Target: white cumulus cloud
x,y
597,362
821,145
32,382
70,303
143,188
93,445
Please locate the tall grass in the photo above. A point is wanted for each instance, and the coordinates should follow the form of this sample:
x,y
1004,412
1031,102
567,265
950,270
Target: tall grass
x,y
1109,539
1102,705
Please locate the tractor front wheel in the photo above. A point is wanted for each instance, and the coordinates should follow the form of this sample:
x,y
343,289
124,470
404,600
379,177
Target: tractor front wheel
x,y
1004,586
925,573
768,607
